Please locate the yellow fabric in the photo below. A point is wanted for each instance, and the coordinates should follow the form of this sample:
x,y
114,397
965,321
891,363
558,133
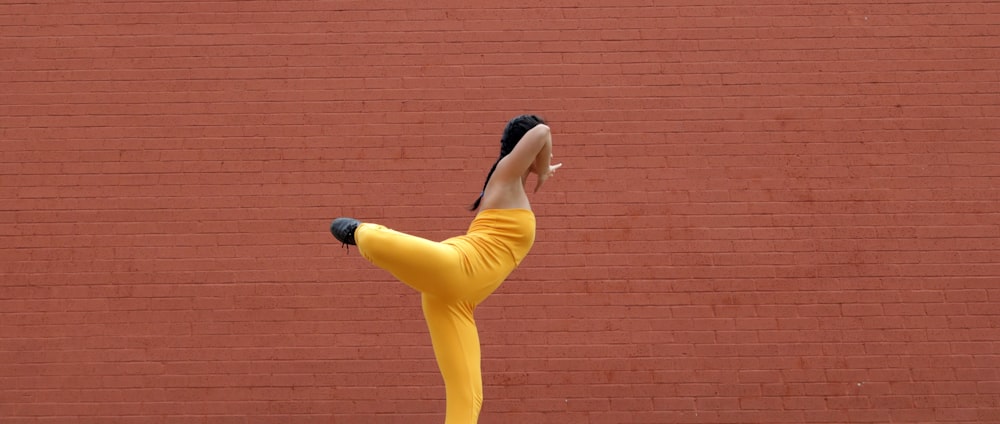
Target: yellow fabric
x,y
454,276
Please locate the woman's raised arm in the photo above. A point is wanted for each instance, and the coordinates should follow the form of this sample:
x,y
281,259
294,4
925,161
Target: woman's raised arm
x,y
527,154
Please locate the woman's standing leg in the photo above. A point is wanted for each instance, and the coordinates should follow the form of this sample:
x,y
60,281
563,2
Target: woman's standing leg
x,y
456,347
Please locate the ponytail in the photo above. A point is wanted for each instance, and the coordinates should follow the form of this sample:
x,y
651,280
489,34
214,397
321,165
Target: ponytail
x,y
475,205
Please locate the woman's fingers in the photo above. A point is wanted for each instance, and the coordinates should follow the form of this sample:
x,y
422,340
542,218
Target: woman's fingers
x,y
543,177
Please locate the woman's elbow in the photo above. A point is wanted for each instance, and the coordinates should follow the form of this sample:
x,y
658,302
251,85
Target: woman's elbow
x,y
543,133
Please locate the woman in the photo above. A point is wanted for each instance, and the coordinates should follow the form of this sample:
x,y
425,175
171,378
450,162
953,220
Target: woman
x,y
457,274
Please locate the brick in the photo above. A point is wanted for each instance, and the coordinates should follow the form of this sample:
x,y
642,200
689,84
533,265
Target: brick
x,y
756,202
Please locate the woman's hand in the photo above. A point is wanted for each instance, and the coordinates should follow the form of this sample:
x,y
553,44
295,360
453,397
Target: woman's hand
x,y
543,176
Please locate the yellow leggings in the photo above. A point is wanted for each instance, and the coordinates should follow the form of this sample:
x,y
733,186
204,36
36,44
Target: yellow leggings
x,y
454,276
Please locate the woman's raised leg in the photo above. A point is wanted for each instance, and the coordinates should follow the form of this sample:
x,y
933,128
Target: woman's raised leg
x,y
427,266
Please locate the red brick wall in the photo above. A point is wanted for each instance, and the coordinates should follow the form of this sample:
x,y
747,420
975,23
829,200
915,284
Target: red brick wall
x,y
774,213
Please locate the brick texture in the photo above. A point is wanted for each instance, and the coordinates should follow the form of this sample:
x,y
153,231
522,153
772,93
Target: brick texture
x,y
768,213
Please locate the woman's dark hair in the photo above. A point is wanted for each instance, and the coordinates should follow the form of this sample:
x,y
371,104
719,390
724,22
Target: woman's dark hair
x,y
516,129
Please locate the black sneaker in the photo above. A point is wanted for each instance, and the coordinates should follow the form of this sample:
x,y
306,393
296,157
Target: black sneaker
x,y
343,230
